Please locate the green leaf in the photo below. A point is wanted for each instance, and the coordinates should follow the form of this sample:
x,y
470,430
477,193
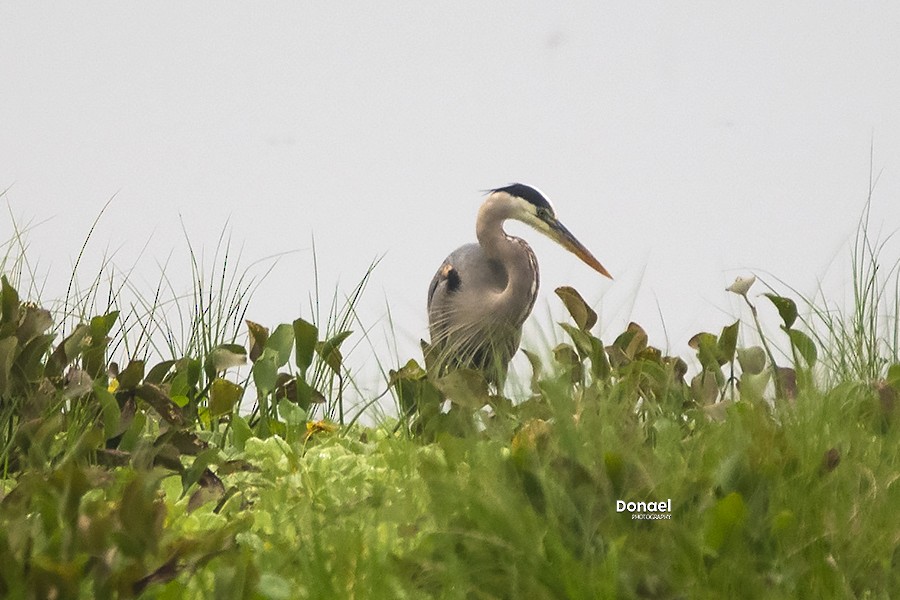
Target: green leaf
x,y
223,396
330,351
580,338
787,308
7,357
728,342
265,372
240,432
159,371
306,335
9,303
726,520
752,359
102,325
110,412
32,358
585,317
132,375
257,338
281,341
707,347
291,413
804,345
600,367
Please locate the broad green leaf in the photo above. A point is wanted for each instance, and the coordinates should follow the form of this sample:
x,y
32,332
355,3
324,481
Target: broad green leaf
x,y
282,342
34,322
223,396
787,308
102,325
580,338
159,371
536,369
265,372
584,316
306,335
7,357
752,359
33,356
132,375
9,304
67,351
600,367
704,388
109,411
804,345
707,347
257,338
752,386
291,413
240,432
728,342
330,350
725,521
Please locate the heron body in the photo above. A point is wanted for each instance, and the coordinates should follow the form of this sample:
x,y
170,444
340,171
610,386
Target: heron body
x,y
480,297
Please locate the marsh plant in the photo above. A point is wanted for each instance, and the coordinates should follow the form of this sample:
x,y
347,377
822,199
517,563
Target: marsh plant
x,y
173,447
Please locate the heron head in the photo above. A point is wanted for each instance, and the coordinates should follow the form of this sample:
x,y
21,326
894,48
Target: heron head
x,y
530,206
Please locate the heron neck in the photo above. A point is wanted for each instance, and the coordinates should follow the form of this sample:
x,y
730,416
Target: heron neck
x,y
517,298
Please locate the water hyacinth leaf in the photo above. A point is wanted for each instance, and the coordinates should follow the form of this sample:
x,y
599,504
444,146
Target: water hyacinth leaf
x,y
257,338
752,386
725,521
282,342
465,387
159,371
102,325
265,372
306,336
132,375
226,356
8,347
110,413
536,369
291,413
240,432
728,342
34,322
223,396
330,350
9,305
704,388
31,359
804,345
600,367
67,351
568,359
583,315
752,359
787,308
707,347
580,338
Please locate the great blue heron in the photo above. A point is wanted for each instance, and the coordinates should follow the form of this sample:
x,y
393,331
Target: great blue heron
x,y
482,294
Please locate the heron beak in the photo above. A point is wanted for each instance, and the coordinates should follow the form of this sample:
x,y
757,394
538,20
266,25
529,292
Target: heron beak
x,y
568,241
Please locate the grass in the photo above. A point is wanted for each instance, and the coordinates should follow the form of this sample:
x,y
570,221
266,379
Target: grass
x,y
219,459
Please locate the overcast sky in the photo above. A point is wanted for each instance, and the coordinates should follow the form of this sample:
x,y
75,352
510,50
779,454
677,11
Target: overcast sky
x,y
684,143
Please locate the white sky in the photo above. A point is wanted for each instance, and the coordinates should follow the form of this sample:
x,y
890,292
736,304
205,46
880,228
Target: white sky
x,y
684,143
